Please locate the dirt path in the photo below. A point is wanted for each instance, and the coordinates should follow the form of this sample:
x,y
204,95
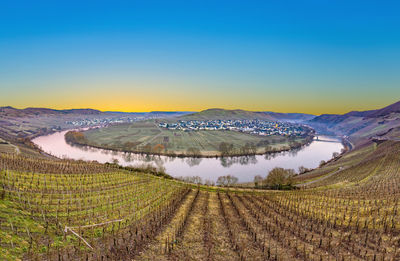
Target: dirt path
x,y
320,178
156,250
221,247
191,245
241,234
148,142
17,151
204,236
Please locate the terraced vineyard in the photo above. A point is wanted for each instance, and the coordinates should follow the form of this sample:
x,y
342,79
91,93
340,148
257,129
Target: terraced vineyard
x,y
91,211
62,215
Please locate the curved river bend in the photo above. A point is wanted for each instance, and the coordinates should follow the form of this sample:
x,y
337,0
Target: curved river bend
x,y
244,168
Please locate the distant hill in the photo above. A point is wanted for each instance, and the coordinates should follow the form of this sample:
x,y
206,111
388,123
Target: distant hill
x,y
393,108
294,117
383,123
30,122
13,112
157,114
337,118
215,114
162,114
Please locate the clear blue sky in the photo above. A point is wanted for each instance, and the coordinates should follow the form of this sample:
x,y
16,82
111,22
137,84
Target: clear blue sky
x,y
290,56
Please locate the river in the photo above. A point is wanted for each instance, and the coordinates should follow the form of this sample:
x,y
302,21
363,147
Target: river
x,y
244,167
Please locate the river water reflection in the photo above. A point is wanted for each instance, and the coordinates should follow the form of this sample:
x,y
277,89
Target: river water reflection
x,y
244,168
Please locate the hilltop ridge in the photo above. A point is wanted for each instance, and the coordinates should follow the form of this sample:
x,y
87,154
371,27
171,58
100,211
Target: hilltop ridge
x,y
238,114
359,125
35,111
31,111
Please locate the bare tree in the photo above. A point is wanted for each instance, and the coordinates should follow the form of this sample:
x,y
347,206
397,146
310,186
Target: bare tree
x,y
303,170
231,180
257,180
322,163
221,181
225,148
209,182
228,180
193,152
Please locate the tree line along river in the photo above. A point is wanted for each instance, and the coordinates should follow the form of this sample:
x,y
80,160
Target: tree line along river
x,y
243,167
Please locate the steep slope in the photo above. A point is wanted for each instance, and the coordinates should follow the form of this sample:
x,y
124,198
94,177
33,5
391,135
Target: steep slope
x,y
394,108
382,123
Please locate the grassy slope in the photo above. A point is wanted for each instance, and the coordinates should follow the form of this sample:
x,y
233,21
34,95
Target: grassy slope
x,y
147,133
354,169
347,160
362,131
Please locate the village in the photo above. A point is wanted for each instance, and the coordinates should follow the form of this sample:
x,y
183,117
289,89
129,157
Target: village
x,y
255,127
101,121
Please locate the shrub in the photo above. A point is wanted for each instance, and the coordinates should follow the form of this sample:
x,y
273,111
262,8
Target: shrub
x,y
279,178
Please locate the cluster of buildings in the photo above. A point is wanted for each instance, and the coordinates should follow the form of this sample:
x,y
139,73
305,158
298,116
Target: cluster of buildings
x,y
256,127
100,121
117,117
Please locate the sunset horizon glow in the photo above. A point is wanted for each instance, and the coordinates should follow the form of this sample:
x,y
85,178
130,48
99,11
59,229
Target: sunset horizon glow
x,y
133,56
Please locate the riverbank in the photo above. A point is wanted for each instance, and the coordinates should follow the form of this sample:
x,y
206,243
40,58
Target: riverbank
x,y
76,138
148,138
243,167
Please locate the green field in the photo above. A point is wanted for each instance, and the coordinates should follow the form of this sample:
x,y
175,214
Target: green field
x,y
148,137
